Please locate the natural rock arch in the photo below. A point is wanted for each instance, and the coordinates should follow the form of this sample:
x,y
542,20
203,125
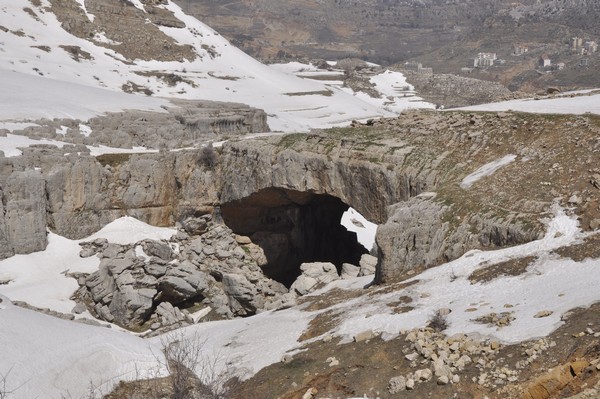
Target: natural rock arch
x,y
293,227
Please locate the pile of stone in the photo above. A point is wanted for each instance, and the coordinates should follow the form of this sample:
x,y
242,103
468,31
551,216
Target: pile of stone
x,y
436,357
203,267
532,350
316,275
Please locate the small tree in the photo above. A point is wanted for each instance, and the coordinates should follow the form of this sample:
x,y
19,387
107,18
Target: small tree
x,y
5,391
438,321
193,374
208,156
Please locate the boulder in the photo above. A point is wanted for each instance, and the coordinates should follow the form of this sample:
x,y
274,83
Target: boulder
x,y
242,294
314,275
130,306
350,271
196,226
397,384
368,264
159,249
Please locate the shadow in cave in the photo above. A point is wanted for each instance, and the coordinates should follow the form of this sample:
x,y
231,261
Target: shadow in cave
x,y
294,227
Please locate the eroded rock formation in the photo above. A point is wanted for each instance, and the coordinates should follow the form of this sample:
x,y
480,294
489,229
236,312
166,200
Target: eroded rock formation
x,y
285,193
146,284
293,227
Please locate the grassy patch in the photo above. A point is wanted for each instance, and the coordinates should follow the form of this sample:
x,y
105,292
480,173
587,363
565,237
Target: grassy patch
x,y
326,93
513,267
113,160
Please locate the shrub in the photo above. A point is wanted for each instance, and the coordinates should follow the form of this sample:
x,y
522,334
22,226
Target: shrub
x,y
438,321
208,156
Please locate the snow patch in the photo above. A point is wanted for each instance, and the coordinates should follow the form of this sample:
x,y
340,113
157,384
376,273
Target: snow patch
x,y
128,230
365,231
486,170
85,130
12,143
50,358
559,105
12,126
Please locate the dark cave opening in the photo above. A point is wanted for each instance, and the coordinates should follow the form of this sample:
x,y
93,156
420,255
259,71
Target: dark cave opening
x,y
292,228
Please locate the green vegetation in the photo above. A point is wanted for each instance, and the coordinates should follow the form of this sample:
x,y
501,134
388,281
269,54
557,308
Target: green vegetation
x,y
113,160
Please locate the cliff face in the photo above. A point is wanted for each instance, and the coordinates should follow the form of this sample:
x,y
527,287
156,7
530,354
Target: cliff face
x,y
77,195
407,174
306,164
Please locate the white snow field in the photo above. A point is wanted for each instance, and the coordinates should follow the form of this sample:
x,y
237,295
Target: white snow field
x,y
559,105
292,103
48,357
486,170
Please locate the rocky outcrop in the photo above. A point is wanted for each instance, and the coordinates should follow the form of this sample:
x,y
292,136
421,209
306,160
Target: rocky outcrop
x,y
23,225
185,124
76,195
285,194
152,284
420,234
453,91
370,187
314,276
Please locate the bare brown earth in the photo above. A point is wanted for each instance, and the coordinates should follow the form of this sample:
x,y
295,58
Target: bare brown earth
x,y
440,34
366,368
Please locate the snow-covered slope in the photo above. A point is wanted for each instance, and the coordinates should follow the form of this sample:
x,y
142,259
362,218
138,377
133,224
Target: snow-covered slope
x,y
554,105
48,357
35,44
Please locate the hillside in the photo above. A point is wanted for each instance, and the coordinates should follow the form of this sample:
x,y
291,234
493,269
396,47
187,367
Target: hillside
x,y
179,220
97,44
467,236
440,34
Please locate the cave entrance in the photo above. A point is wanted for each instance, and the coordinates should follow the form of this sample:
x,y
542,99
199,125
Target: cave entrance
x,y
294,227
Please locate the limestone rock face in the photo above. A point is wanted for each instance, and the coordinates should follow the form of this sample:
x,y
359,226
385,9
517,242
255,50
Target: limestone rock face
x,y
24,213
280,193
76,195
367,186
417,235
6,248
412,237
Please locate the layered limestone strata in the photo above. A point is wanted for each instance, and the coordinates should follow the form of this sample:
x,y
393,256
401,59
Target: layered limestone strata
x,y
405,174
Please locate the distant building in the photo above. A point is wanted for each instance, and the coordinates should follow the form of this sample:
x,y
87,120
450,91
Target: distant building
x,y
545,61
418,67
482,60
590,46
413,66
486,62
584,62
473,62
560,66
575,43
519,49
